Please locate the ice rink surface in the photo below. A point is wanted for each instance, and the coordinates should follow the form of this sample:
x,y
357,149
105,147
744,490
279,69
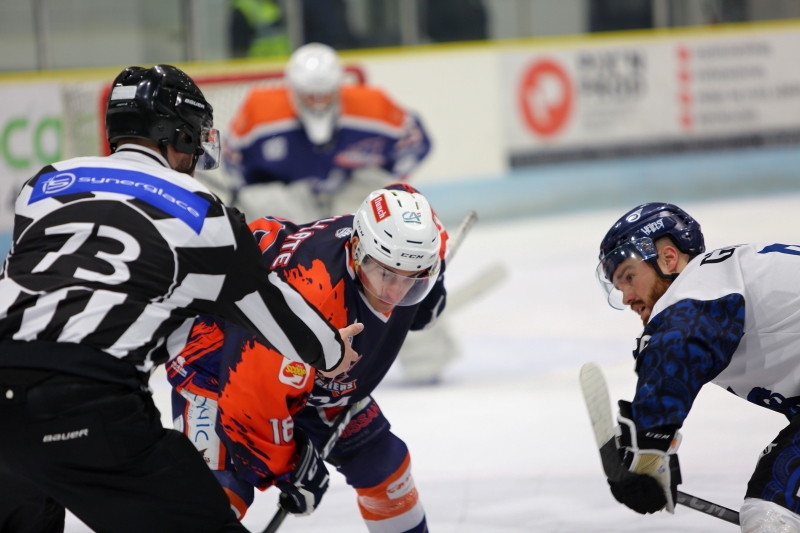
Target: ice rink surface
x,y
504,444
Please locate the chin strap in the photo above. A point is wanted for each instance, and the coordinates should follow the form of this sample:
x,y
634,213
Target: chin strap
x,y
654,264
162,147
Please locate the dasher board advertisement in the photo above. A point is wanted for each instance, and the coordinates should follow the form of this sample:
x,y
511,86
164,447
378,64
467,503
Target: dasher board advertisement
x,y
30,138
657,95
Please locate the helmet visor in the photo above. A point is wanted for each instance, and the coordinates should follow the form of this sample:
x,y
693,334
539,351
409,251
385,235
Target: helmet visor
x,y
210,142
614,270
393,288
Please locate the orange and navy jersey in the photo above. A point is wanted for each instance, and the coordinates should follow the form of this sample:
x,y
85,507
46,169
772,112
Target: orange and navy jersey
x,y
267,141
315,259
257,390
258,394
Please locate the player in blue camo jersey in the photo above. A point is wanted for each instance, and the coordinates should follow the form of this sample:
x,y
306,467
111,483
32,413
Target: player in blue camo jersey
x,y
696,308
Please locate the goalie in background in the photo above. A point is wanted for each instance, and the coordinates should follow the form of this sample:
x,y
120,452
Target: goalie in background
x,y
317,147
730,317
259,419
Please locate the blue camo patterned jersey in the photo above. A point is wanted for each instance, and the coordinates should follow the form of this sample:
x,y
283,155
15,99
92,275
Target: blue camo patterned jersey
x,y
690,343
732,318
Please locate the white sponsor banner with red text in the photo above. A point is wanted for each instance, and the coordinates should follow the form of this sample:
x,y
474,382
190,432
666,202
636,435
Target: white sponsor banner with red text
x,y
651,96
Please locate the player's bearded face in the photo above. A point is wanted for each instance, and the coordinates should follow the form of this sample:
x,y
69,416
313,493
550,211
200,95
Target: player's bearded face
x,y
657,290
641,287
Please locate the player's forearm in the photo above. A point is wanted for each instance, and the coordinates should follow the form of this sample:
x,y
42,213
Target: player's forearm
x,y
275,312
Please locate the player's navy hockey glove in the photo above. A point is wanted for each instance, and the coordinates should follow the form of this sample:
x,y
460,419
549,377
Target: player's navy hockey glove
x,y
650,456
303,490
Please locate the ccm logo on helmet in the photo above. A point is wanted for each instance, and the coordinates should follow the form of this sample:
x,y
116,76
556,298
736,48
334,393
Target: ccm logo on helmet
x,y
379,208
412,256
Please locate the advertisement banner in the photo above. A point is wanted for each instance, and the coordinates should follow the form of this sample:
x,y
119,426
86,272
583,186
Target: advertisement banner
x,y
652,96
30,138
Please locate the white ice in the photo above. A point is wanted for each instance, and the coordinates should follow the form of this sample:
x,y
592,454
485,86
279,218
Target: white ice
x,y
504,443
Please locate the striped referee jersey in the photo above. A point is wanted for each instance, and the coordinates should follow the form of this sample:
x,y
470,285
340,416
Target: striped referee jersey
x,y
113,257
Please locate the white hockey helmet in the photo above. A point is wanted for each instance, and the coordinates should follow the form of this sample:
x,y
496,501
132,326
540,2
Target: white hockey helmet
x,y
396,229
314,77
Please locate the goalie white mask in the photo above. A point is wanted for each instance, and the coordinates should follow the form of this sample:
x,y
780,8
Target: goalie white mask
x,y
397,258
314,77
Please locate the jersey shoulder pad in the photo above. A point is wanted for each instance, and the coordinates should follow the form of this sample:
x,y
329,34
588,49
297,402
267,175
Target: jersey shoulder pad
x,y
313,261
262,107
708,277
269,230
368,103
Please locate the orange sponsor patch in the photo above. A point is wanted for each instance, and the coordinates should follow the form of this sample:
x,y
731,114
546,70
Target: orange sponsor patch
x,y
293,373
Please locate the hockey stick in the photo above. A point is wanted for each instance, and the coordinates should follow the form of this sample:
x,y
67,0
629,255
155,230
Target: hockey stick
x,y
595,394
454,242
337,428
339,425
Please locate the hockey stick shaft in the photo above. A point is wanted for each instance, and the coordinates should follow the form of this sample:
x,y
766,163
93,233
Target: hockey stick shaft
x,y
455,240
595,393
339,425
705,506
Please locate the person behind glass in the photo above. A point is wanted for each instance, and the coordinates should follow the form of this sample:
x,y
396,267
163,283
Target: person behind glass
x,y
257,29
112,259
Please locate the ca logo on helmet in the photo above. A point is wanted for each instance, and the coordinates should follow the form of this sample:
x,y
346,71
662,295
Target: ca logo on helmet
x,y
412,217
58,183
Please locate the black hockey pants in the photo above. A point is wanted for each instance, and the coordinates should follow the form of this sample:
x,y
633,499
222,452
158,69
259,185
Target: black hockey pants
x,y
99,450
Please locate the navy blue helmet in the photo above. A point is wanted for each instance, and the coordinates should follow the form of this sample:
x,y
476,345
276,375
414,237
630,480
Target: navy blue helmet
x,y
638,230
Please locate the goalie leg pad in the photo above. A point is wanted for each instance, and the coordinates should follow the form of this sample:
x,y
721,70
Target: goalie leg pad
x,y
761,516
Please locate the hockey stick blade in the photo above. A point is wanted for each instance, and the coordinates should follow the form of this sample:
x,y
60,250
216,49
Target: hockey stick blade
x,y
595,395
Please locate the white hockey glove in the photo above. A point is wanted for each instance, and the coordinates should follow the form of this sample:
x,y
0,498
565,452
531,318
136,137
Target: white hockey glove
x,y
651,456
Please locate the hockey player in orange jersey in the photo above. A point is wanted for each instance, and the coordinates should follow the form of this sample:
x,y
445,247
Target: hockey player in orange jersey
x,y
381,267
316,148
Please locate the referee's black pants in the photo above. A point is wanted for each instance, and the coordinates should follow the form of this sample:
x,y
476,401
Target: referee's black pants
x,y
99,450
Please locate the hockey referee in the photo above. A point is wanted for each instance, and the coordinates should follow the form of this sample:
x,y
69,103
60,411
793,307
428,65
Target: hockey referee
x,y
112,259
